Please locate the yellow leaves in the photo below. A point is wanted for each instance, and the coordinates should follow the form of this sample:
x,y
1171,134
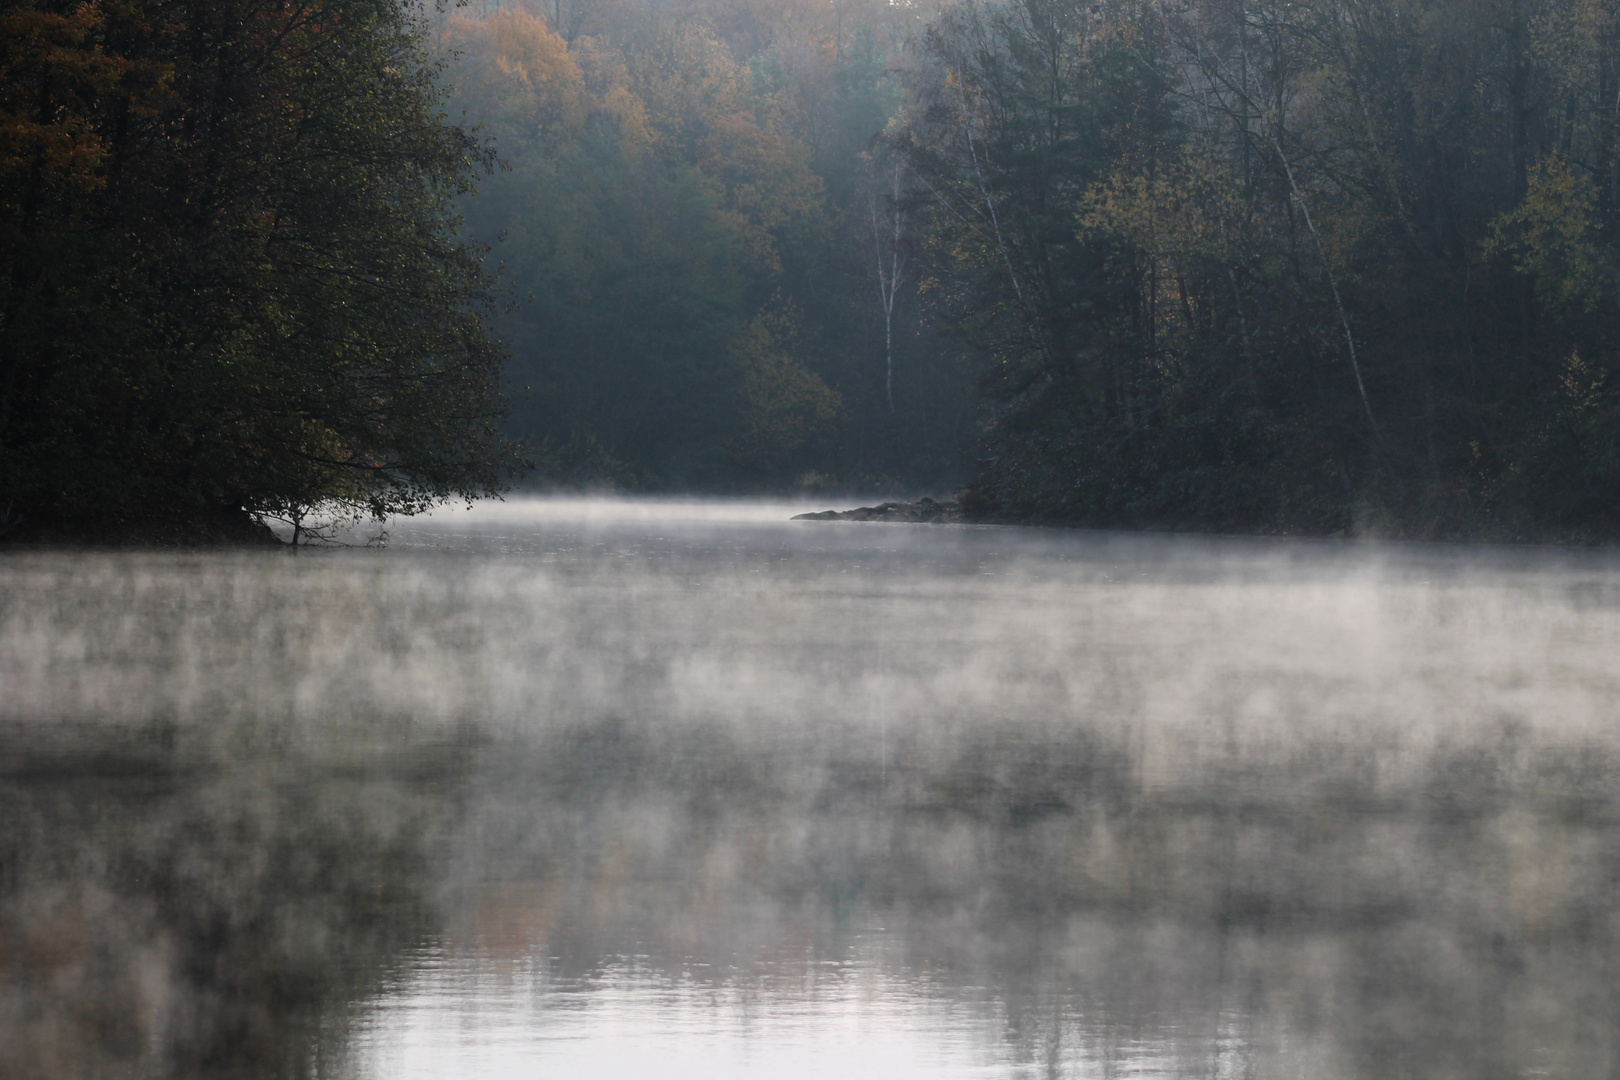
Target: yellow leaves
x,y
688,77
1570,37
524,66
1552,237
783,404
1180,215
761,175
607,86
1581,383
675,92
1175,210
527,50
704,109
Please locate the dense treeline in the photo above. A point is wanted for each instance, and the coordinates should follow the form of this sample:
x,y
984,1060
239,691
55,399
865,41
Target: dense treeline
x,y
1305,265
692,214
229,277
1313,266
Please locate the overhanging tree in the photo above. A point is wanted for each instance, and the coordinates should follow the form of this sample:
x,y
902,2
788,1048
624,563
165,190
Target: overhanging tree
x,y
231,276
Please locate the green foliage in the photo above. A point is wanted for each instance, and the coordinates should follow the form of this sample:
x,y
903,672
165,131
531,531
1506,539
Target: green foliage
x,y
684,218
239,287
783,404
1554,238
1283,265
648,188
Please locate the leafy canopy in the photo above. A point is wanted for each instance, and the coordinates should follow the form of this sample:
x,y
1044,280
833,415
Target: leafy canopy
x,y
230,278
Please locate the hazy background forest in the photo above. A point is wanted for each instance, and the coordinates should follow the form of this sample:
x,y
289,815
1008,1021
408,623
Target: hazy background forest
x,y
1235,264
697,215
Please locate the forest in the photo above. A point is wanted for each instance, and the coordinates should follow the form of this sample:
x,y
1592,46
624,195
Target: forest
x,y
1309,267
1313,266
698,219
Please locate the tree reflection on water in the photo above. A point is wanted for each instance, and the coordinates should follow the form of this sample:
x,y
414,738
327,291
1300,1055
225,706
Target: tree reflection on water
x,y
240,922
1464,927
203,921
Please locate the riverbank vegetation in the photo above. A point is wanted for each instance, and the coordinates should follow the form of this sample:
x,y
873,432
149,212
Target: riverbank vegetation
x,y
230,281
1309,266
1317,267
1245,265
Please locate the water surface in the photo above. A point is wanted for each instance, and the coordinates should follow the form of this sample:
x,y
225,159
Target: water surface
x,y
615,789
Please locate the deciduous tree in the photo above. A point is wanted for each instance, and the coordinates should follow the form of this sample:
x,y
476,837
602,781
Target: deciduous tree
x,y
232,278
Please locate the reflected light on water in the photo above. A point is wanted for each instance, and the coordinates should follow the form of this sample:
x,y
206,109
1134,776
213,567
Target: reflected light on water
x,y
632,1019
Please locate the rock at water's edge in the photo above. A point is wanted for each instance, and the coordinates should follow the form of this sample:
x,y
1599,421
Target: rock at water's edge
x,y
923,510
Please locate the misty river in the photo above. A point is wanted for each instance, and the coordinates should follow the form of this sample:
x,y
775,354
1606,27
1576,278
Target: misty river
x,y
593,788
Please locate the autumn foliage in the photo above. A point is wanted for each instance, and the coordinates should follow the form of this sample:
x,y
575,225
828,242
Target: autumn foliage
x,y
684,219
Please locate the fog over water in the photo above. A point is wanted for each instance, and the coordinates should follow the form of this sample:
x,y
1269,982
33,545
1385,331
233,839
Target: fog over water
x,y
587,788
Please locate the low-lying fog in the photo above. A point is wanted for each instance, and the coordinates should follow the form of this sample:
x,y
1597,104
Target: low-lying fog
x,y
658,789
